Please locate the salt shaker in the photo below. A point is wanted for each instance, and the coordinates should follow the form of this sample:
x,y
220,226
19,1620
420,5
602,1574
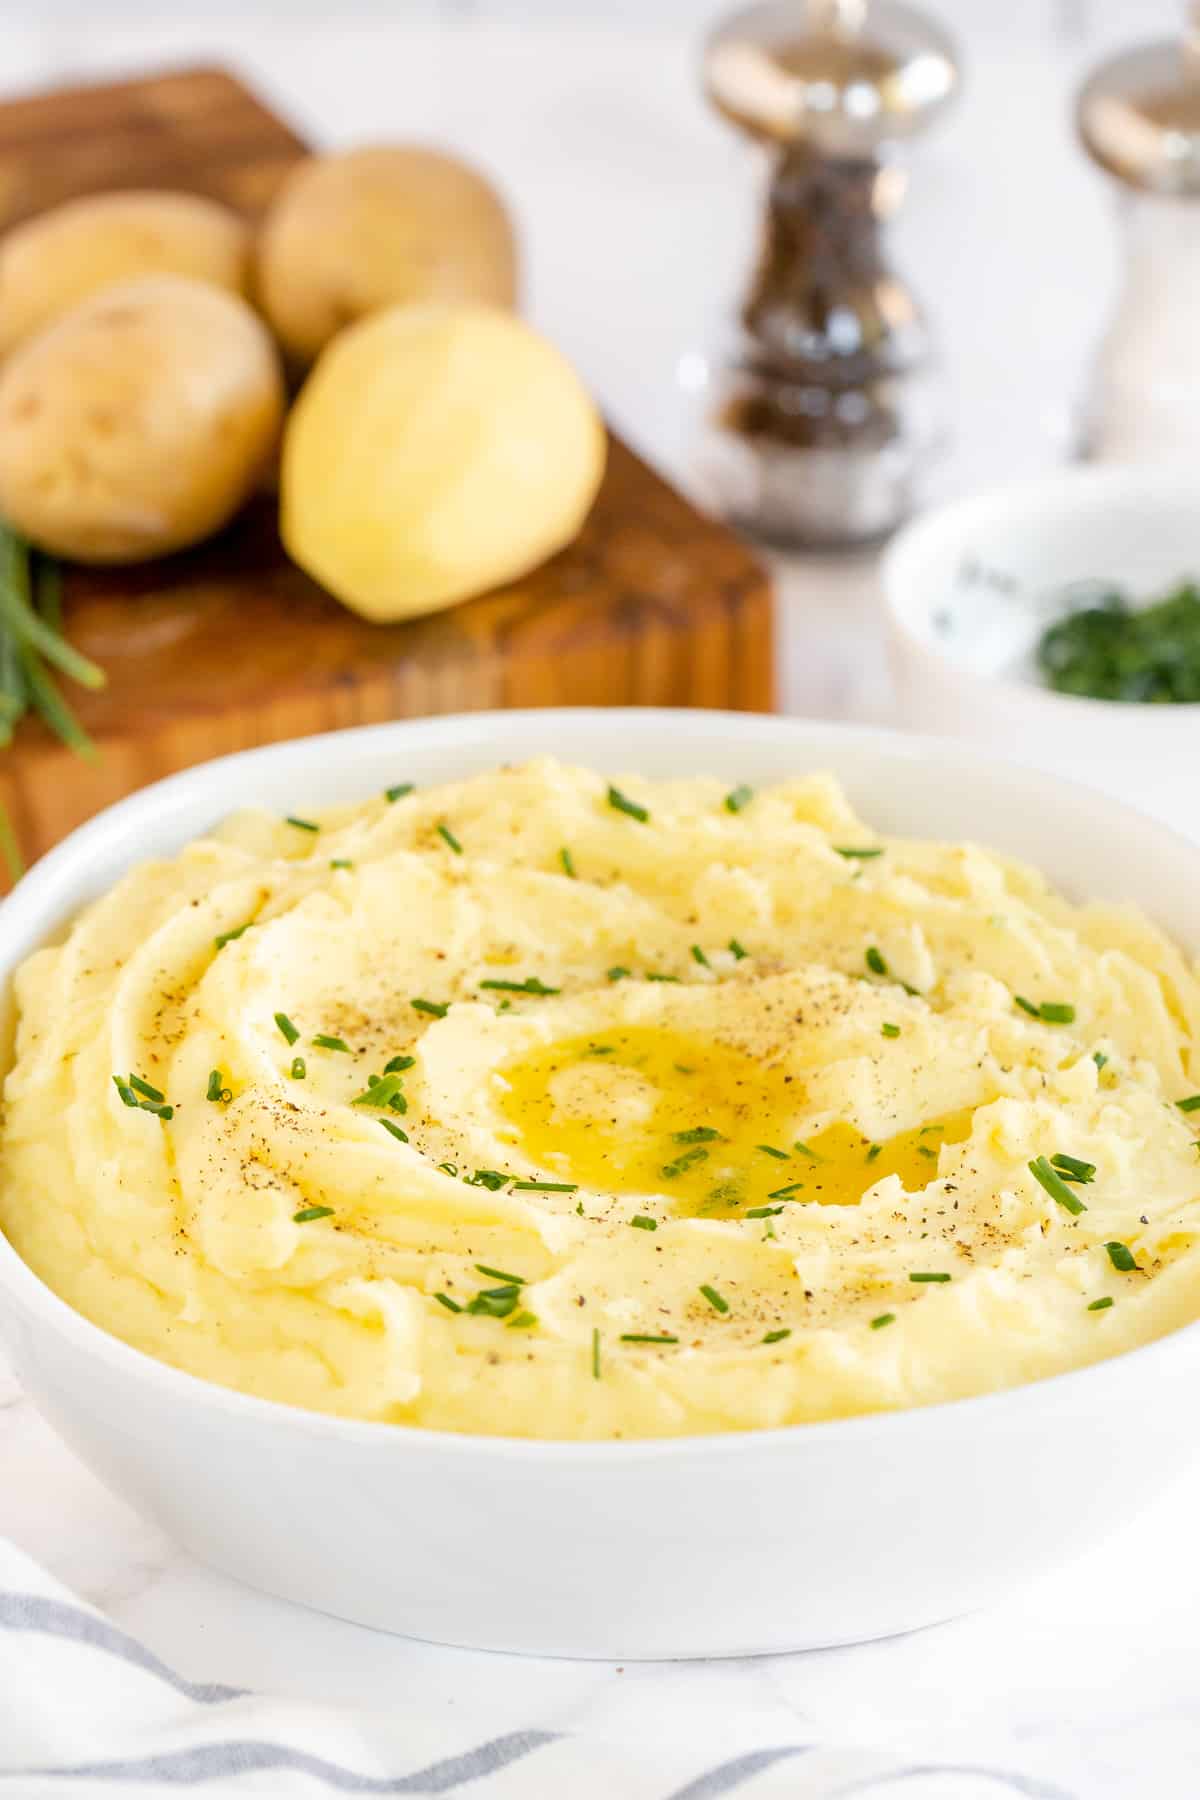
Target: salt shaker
x,y
1139,119
827,402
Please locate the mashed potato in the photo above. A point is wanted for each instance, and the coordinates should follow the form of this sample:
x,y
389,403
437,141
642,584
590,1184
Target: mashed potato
x,y
538,1107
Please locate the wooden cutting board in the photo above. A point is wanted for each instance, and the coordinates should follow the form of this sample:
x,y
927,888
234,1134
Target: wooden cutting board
x,y
229,645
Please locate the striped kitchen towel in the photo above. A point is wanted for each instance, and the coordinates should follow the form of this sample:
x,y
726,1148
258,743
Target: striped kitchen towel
x,y
89,1713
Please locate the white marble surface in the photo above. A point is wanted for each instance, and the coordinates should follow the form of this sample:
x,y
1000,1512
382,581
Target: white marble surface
x,y
634,209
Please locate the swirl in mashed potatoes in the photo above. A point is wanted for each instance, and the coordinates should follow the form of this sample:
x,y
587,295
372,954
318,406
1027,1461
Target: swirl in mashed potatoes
x,y
539,1107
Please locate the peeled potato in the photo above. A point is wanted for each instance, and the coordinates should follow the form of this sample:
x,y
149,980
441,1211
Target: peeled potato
x,y
371,228
139,422
51,263
435,452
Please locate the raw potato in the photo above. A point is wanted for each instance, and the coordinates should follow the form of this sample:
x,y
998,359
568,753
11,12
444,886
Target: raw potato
x,y
434,453
51,263
139,422
353,233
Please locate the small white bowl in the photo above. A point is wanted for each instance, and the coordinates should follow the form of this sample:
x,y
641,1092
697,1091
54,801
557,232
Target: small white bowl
x,y
970,587
700,1546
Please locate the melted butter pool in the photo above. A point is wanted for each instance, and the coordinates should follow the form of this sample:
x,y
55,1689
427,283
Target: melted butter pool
x,y
649,1111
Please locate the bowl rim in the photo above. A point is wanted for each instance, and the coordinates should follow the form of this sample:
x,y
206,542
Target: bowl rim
x,y
36,1299
900,572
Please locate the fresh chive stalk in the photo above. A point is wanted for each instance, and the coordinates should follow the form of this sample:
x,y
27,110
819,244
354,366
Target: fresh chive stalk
x,y
31,637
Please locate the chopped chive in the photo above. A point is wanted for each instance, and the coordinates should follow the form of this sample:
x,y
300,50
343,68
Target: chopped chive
x,y
522,1321
491,1179
445,1300
1099,1058
770,1150
850,851
926,1275
1100,1305
1073,1168
501,1274
889,1031
738,798
394,1130
682,1163
1055,1186
1121,1256
301,824
717,1301
435,1009
158,1108
217,1089
622,803
568,863
144,1088
341,862
325,1042
873,1152
599,1049
386,1091
227,937
785,1193
1191,1104
647,1337
875,961
764,1212
497,1302
699,1134
738,951
699,956
545,1187
617,973
126,1092
530,986
288,1029
643,1222
398,1064
926,1150
804,1150
882,1319
653,975
311,1212
596,1353
299,1068
392,794
777,1337
1051,1012
448,837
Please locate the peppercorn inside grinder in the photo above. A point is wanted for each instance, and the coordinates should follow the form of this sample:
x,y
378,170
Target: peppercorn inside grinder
x,y
827,404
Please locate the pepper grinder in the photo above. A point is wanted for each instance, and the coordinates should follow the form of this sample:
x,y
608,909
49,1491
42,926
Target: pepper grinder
x,y
1139,119
827,403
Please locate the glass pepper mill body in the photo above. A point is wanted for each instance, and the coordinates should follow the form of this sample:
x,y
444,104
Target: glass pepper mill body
x,y
1139,119
827,402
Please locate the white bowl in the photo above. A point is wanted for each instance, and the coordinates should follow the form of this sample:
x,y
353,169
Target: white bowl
x,y
970,587
774,1540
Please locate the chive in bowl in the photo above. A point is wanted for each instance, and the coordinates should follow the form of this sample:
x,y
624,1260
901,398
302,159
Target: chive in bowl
x,y
971,588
